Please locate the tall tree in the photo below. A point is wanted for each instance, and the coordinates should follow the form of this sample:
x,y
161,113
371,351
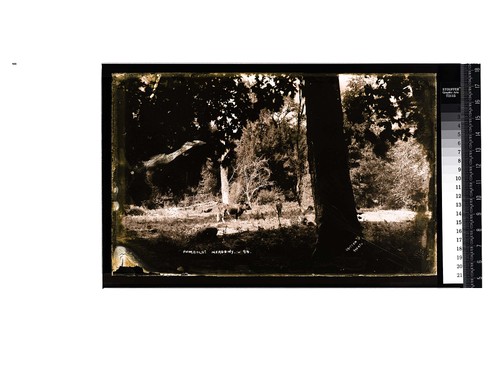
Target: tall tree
x,y
336,218
280,138
155,118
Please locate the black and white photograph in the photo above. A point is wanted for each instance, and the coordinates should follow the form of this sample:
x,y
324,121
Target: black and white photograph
x,y
247,188
272,174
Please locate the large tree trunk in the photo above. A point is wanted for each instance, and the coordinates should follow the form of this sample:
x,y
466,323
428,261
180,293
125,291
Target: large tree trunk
x,y
299,162
224,180
336,216
224,184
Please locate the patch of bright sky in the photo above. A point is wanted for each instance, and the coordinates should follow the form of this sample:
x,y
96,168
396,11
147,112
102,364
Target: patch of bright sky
x,y
344,81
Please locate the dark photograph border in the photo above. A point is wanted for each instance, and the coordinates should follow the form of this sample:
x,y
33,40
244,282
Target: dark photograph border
x,y
225,213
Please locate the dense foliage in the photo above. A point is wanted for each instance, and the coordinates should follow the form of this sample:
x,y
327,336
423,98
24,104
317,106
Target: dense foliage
x,y
390,130
255,126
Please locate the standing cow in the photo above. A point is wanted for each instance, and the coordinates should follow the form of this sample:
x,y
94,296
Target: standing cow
x,y
231,210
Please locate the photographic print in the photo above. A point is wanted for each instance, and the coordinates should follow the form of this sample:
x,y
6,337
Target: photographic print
x,y
272,175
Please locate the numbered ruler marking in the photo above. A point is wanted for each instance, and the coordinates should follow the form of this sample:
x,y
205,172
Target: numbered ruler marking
x,y
451,178
471,175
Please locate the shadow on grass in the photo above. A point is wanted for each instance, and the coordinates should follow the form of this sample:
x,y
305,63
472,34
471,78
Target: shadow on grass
x,y
408,239
282,250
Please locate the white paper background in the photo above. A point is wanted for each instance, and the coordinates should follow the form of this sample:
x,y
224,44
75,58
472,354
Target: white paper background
x,y
54,316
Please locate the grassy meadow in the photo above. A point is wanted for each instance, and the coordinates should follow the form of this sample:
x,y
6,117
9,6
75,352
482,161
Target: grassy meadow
x,y
190,241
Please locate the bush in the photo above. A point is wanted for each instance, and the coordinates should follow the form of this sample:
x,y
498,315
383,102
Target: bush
x,y
400,180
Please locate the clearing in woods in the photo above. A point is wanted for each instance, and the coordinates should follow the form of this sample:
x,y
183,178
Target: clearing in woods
x,y
190,240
